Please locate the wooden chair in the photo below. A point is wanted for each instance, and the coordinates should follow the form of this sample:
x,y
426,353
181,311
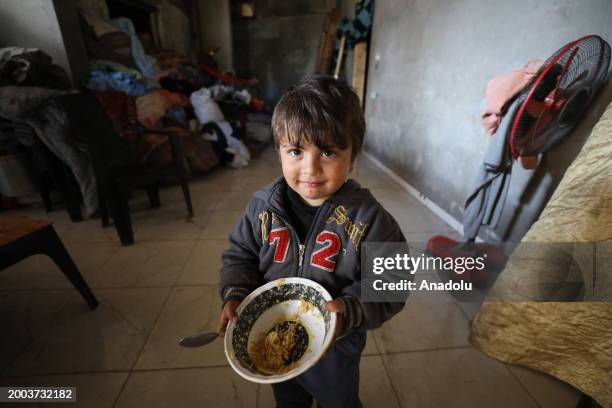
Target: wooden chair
x,y
21,237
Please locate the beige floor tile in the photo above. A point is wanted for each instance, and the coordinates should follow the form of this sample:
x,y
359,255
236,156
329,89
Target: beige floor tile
x,y
197,387
228,180
375,389
144,264
233,201
366,166
220,224
174,225
26,315
251,183
189,310
209,183
422,326
370,348
469,309
40,272
98,390
415,219
88,231
89,258
548,391
202,198
376,181
267,170
204,263
395,198
200,203
78,339
265,396
455,378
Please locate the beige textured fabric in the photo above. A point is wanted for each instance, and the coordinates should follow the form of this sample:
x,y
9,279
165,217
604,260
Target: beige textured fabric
x,y
571,341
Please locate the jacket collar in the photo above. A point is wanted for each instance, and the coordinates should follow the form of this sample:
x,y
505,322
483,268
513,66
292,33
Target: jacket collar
x,y
273,194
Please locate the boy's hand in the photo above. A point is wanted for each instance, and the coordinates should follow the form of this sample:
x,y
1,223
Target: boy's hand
x,y
336,306
227,313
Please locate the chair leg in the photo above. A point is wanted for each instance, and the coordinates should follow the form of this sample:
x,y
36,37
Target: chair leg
x,y
62,178
120,212
36,156
187,195
54,248
45,194
102,205
182,174
153,193
181,169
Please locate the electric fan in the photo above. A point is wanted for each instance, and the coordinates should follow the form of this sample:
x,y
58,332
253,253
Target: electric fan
x,y
564,86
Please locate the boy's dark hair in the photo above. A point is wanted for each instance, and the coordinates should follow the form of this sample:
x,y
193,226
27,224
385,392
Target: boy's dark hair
x,y
321,110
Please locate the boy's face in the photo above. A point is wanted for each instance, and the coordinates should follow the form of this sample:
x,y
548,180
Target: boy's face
x,y
315,174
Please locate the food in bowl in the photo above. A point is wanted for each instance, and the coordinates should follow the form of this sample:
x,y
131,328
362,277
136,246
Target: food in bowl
x,y
279,350
282,329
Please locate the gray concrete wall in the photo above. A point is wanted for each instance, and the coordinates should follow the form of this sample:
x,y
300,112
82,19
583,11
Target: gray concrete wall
x,y
51,26
174,27
429,64
216,31
33,24
279,46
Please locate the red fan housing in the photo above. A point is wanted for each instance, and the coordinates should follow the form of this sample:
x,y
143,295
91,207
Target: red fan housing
x,y
559,94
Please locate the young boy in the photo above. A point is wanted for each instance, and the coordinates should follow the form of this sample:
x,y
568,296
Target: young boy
x,y
311,223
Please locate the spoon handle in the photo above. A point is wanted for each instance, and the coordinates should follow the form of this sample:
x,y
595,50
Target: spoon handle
x,y
198,340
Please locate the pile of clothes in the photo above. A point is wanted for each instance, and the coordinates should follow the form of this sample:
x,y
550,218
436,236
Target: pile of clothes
x,y
28,83
170,90
139,89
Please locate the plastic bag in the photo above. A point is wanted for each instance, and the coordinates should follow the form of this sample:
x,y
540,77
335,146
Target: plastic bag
x,y
205,107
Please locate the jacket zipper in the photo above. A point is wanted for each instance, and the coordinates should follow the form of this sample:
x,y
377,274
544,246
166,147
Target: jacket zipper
x,y
302,247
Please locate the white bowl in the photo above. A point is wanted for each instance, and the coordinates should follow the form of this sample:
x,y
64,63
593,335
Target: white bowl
x,y
263,308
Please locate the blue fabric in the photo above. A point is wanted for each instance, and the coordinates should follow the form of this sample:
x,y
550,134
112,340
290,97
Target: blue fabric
x,y
145,63
119,81
332,382
356,29
484,204
178,115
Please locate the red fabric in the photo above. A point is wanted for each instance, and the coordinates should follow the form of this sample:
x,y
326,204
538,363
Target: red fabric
x,y
121,110
444,247
230,80
152,106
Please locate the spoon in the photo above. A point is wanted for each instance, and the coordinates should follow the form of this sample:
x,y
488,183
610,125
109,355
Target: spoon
x,y
198,340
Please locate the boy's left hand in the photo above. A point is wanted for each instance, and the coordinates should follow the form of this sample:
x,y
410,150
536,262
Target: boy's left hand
x,y
336,306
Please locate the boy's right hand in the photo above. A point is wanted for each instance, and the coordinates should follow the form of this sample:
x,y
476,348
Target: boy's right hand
x,y
227,313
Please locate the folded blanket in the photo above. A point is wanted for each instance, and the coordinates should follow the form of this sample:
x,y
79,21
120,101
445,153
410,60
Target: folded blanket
x,y
571,341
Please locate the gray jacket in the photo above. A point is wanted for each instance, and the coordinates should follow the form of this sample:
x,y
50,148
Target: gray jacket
x,y
264,247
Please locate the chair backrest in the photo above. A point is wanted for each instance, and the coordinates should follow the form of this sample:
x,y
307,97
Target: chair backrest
x,y
90,123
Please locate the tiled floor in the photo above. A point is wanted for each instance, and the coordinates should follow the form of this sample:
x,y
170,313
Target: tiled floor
x,y
125,353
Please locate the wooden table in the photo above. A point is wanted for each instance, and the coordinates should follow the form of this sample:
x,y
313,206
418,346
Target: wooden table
x,y
21,237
